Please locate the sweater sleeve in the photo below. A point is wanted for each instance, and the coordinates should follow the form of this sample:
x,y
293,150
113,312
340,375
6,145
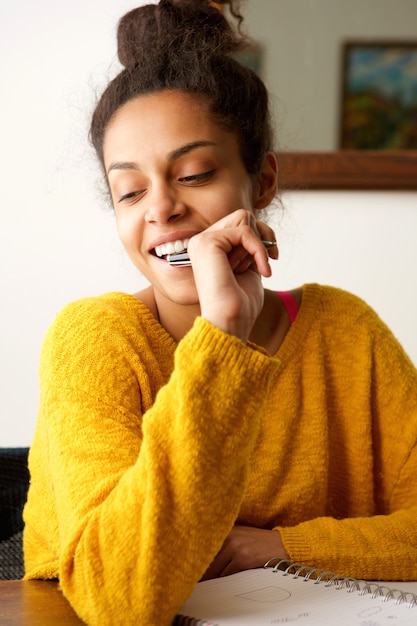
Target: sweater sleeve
x,y
383,545
143,503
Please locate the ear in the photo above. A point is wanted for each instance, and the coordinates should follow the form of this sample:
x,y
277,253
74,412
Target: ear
x,y
266,182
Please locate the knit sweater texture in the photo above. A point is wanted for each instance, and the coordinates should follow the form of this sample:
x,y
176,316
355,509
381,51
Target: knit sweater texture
x,y
147,452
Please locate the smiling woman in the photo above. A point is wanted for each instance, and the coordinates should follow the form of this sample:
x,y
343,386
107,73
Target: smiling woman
x,y
158,168
207,417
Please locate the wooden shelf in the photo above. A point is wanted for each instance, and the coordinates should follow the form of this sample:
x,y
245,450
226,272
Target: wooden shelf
x,y
348,169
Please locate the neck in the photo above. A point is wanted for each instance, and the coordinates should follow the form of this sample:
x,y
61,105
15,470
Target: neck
x,y
176,318
269,330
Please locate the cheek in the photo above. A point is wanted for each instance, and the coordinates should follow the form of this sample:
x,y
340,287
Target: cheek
x,y
237,196
128,229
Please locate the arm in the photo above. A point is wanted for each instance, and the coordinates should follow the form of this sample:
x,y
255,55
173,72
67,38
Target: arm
x,y
380,547
131,497
364,524
133,474
381,544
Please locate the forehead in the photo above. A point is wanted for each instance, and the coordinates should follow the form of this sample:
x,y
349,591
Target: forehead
x,y
162,121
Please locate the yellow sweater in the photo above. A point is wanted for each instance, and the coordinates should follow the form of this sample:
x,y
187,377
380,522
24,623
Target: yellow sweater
x,y
147,452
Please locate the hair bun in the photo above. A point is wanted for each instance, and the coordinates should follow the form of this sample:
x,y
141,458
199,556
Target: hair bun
x,y
175,26
136,31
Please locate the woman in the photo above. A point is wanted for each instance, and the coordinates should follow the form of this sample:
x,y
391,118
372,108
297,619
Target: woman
x,y
206,425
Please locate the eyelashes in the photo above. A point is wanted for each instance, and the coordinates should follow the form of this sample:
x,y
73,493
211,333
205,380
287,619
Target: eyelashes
x,y
192,180
131,195
197,178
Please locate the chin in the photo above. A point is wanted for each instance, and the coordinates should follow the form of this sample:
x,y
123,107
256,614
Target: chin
x,y
178,292
184,297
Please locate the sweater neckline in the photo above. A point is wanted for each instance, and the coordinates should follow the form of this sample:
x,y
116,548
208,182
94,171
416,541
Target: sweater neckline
x,y
167,342
311,295
294,339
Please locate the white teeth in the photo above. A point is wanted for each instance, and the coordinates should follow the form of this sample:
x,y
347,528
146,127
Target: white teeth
x,y
172,247
179,246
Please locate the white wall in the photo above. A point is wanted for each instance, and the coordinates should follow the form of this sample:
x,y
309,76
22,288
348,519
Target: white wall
x,y
57,240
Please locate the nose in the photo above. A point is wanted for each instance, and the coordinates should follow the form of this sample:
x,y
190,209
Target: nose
x,y
163,204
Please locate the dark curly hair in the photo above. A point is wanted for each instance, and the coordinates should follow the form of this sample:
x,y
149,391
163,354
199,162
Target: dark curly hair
x,y
189,45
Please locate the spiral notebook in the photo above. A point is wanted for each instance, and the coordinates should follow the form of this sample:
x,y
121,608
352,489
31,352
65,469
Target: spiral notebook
x,y
297,595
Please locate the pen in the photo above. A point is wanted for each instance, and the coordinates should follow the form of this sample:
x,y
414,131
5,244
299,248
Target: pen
x,y
182,259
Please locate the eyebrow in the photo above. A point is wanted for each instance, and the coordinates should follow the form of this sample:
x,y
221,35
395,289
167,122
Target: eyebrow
x,y
172,156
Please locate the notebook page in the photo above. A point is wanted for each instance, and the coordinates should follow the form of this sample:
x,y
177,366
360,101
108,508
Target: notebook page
x,y
261,596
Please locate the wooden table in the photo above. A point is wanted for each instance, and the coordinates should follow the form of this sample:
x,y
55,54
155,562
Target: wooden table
x,y
34,603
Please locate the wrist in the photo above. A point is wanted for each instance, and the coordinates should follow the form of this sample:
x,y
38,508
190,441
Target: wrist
x,y
235,328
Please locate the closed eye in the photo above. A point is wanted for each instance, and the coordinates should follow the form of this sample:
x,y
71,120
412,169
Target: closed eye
x,y
197,178
131,195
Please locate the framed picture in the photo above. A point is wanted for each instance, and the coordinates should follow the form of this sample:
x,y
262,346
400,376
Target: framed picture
x,y
379,96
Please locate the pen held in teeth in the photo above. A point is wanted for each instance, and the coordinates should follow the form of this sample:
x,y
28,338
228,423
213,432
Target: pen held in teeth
x,y
183,260
180,258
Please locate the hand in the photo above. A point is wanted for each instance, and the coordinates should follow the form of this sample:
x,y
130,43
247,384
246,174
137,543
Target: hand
x,y
228,259
246,547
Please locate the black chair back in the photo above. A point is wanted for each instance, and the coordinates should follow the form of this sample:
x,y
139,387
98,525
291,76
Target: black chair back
x,y
14,483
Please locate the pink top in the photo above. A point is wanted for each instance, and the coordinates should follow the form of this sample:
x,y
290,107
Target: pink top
x,y
290,304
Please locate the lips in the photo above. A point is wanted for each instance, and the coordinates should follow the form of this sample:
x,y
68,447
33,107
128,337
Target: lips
x,y
171,247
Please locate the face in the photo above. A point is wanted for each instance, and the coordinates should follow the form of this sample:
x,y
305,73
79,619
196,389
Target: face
x,y
172,173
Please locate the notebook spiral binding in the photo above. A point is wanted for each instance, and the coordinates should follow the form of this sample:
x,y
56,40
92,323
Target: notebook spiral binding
x,y
298,570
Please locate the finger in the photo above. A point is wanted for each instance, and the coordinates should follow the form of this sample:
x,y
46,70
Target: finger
x,y
236,256
240,217
245,263
266,233
252,250
245,250
217,566
240,260
273,251
232,567
260,259
236,243
243,260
